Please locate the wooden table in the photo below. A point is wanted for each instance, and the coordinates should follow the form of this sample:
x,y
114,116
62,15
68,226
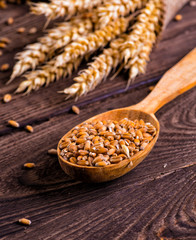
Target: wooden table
x,y
154,201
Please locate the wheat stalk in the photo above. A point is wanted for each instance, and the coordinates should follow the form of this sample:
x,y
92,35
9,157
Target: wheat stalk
x,y
61,8
113,9
77,49
56,38
134,51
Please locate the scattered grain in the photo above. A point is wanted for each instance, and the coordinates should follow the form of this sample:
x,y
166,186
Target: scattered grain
x,y
165,165
25,221
101,143
20,30
178,17
2,4
52,151
2,45
7,98
5,40
32,30
193,3
13,123
10,21
29,128
75,109
29,165
4,67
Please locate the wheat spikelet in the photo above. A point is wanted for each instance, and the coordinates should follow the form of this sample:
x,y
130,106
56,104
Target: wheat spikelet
x,y
97,71
134,51
56,38
113,9
60,8
73,51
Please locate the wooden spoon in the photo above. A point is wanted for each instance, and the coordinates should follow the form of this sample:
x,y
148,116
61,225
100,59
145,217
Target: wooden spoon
x,y
177,80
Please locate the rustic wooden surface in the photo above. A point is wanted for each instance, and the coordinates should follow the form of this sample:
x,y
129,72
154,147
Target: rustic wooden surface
x,y
157,200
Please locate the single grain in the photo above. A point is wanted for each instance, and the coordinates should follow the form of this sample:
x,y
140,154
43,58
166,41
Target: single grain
x,y
25,221
7,98
10,21
29,128
178,17
32,30
4,67
20,30
75,109
52,151
2,45
29,165
13,123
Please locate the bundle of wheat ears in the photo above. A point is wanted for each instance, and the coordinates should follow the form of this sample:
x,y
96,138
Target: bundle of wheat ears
x,y
128,28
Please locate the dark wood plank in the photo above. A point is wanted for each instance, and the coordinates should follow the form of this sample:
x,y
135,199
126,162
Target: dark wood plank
x,y
38,105
144,203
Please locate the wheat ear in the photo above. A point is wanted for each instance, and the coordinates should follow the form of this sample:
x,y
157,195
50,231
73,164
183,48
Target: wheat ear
x,y
56,38
92,42
39,78
113,9
61,8
77,49
134,51
146,23
97,71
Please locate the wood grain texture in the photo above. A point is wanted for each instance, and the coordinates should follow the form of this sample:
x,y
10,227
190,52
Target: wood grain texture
x,y
157,200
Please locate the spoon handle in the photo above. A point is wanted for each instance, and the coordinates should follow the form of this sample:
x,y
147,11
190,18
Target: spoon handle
x,y
174,82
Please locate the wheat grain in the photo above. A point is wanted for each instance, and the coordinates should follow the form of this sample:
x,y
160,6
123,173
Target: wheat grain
x,y
61,8
73,53
56,38
10,21
113,9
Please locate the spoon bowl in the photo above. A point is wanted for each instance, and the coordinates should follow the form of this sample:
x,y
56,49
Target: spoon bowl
x,y
110,172
177,80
